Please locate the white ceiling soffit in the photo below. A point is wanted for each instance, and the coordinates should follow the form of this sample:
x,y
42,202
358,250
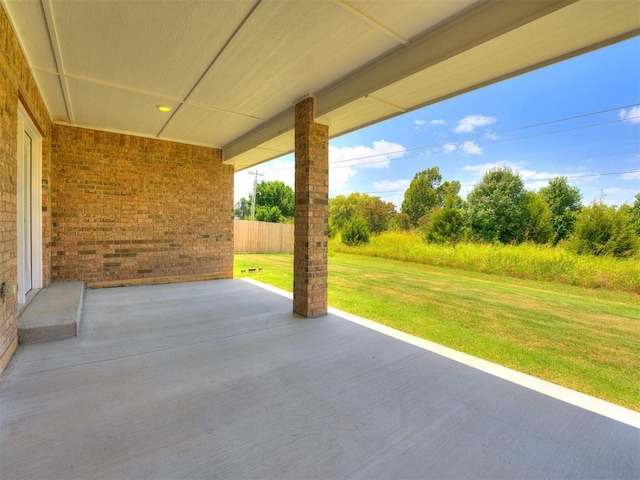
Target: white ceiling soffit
x,y
232,69
454,58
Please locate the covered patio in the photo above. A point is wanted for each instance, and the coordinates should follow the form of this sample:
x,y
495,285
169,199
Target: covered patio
x,y
124,121
122,126
219,379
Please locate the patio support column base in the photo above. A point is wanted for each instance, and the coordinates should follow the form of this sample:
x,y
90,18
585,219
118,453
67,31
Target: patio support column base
x,y
311,213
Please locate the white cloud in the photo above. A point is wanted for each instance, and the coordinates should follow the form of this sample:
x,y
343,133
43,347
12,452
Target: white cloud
x,y
377,156
392,191
491,136
419,123
632,115
449,147
469,123
344,162
631,176
438,121
387,185
339,177
472,148
483,168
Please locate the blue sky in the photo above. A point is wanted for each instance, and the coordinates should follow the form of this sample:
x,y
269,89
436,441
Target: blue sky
x,y
579,119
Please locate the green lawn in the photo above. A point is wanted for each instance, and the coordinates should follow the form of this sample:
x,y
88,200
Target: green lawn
x,y
584,339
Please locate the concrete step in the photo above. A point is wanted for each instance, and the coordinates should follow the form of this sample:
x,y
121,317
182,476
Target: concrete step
x,y
53,314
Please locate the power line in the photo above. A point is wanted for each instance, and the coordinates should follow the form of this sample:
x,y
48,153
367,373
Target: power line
x,y
502,132
593,157
568,177
498,142
335,164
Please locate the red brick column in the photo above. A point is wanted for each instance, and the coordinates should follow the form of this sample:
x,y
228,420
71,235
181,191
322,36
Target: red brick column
x,y
311,213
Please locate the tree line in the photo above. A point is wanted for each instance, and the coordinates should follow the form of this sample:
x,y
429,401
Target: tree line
x,y
499,209
273,203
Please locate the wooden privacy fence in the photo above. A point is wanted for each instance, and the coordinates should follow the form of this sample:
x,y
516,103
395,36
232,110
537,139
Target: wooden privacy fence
x,y
262,237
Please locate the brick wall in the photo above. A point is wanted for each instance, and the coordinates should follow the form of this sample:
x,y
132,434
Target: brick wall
x,y
127,208
17,82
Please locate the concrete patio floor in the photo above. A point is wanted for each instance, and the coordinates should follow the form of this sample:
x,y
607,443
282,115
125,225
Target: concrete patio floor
x,y
220,380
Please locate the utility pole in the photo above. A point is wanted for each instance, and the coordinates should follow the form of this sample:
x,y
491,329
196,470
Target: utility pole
x,y
253,200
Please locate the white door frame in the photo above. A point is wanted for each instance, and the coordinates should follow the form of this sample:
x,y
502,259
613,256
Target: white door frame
x,y
25,123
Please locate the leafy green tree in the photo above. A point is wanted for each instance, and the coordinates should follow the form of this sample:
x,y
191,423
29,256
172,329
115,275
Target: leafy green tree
x,y
422,194
274,203
565,203
373,210
427,192
495,207
355,231
274,194
538,227
635,214
341,209
449,195
604,230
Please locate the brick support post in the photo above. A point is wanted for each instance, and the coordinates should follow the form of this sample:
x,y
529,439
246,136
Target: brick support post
x,y
311,213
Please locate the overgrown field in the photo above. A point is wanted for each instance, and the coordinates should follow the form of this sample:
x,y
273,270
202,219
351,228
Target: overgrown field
x,y
534,262
584,339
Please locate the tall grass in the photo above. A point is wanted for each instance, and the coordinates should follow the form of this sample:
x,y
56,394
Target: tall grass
x,y
534,262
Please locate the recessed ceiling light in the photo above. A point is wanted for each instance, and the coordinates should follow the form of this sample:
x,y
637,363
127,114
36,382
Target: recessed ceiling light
x,y
163,108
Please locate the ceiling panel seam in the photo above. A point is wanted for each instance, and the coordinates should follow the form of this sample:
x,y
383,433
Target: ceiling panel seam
x,y
47,70
388,104
55,47
122,88
274,150
227,112
371,21
211,64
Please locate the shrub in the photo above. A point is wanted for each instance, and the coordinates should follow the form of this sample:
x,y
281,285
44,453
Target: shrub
x,y
604,230
399,222
445,226
355,231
